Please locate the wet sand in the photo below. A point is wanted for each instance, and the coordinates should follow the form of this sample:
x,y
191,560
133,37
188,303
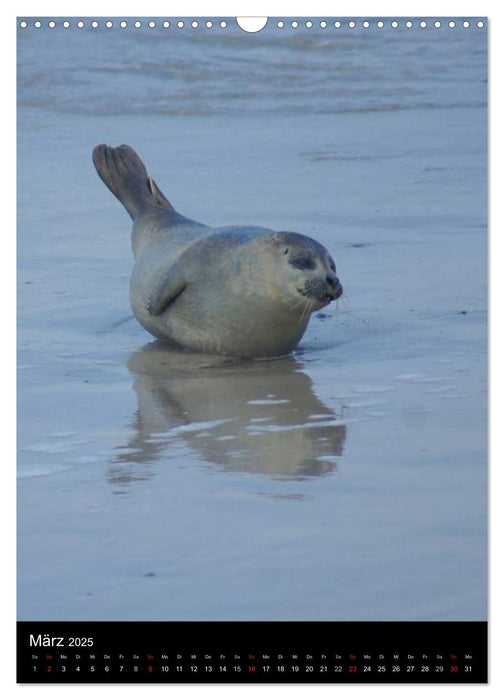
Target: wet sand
x,y
345,482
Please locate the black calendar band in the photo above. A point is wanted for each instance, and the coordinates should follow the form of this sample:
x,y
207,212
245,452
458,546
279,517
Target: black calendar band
x,y
252,652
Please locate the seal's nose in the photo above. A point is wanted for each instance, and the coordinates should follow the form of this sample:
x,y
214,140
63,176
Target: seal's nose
x,y
336,290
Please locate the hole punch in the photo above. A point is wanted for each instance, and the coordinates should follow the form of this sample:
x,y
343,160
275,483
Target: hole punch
x,y
252,24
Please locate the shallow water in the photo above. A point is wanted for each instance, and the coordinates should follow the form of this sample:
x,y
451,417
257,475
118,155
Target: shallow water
x,y
347,481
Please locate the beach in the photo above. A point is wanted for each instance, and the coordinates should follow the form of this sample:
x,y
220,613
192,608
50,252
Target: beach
x,y
344,482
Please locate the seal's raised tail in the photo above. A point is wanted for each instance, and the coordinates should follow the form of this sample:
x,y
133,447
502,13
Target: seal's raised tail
x,y
122,170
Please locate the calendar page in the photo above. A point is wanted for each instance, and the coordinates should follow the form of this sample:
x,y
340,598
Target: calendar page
x,y
252,406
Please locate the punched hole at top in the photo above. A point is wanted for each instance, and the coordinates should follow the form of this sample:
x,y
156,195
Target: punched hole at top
x,y
252,24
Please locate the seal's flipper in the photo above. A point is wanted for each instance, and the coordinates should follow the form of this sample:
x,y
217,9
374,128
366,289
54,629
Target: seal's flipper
x,y
170,288
159,197
122,170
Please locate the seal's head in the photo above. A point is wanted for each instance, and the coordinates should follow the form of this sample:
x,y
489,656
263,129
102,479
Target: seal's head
x,y
310,272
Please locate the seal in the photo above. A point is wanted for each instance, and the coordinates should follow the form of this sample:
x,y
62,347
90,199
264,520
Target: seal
x,y
242,291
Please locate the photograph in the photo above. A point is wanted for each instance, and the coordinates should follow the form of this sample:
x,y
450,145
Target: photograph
x,y
252,328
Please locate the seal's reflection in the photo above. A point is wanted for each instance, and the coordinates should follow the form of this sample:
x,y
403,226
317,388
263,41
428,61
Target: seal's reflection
x,y
244,416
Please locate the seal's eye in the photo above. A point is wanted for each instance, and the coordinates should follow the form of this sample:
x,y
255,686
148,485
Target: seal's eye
x,y
332,266
286,251
303,262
